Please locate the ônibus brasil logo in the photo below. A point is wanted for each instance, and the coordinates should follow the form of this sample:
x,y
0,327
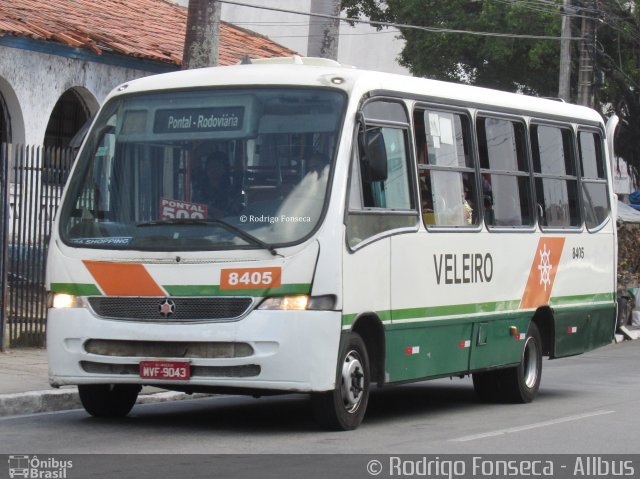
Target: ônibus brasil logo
x,y
37,468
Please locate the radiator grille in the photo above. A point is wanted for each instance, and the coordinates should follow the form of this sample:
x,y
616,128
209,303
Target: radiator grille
x,y
167,349
170,309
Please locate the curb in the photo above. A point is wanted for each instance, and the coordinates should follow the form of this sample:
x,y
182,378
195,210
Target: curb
x,y
53,400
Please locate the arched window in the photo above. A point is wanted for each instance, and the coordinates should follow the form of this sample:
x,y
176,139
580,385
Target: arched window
x,y
68,116
5,125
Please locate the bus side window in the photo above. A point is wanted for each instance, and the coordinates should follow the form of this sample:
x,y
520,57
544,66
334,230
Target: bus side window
x,y
506,191
595,197
445,166
555,176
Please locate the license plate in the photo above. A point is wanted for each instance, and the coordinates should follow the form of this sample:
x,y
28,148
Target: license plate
x,y
178,370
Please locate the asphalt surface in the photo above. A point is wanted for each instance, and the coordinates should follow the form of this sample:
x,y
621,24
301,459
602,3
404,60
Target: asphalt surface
x,y
587,405
24,386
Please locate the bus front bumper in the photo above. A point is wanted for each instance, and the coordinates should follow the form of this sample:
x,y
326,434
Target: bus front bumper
x,y
289,350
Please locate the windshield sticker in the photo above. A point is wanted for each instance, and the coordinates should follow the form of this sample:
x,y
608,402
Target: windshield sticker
x,y
182,209
115,241
193,120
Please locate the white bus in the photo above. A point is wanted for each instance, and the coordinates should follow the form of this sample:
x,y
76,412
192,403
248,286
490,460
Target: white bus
x,y
322,229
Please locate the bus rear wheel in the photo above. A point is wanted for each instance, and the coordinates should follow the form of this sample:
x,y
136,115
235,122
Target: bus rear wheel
x,y
521,383
108,400
343,408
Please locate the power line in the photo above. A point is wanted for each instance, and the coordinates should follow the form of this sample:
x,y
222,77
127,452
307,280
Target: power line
x,y
544,7
402,25
341,34
556,4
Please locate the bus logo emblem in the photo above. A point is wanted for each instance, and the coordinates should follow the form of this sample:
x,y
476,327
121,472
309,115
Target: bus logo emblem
x,y
167,308
545,267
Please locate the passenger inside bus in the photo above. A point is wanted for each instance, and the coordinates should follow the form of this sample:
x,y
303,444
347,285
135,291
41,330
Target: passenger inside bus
x,y
215,188
487,200
317,162
467,205
426,199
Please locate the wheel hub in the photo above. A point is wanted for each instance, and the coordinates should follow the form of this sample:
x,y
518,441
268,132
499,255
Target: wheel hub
x,y
352,382
530,366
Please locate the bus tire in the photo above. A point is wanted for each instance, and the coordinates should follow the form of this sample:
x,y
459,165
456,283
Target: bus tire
x,y
343,408
108,400
487,386
521,383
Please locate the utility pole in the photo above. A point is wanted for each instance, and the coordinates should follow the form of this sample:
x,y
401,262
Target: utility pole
x,y
564,82
201,41
324,32
585,69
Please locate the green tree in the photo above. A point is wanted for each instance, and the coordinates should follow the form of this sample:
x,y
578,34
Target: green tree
x,y
618,58
504,63
526,65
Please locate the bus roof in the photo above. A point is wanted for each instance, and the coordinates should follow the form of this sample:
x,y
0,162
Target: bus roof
x,y
326,73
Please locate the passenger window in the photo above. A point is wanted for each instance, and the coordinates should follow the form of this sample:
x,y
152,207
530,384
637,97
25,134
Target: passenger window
x,y
555,177
595,197
506,190
448,192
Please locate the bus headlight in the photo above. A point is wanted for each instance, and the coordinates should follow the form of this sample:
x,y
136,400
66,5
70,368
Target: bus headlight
x,y
299,302
62,300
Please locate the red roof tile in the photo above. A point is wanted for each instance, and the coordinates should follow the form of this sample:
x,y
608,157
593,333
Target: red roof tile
x,y
149,29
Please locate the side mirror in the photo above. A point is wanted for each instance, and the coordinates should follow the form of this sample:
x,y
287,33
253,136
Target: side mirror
x,y
374,162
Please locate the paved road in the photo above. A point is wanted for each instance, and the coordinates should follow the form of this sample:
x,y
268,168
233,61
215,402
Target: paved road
x,y
587,405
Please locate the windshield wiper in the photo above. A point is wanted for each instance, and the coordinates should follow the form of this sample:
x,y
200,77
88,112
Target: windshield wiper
x,y
248,237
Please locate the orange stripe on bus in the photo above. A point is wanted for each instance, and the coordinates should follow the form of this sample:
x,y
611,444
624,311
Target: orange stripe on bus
x,y
123,279
543,273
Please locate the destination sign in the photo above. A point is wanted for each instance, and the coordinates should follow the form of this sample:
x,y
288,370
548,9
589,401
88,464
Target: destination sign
x,y
194,120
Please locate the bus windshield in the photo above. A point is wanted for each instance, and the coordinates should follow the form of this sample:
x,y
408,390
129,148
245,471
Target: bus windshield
x,y
204,170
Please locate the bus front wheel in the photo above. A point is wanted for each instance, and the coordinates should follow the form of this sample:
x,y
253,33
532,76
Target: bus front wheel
x,y
344,407
108,400
521,383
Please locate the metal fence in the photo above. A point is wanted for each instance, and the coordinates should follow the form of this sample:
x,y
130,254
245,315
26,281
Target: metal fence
x,y
31,183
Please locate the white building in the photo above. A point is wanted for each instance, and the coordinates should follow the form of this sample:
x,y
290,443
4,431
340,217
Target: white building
x,y
361,45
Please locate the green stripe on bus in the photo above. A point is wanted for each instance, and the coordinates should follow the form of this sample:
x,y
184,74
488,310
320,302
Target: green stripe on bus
x,y
81,289
471,310
455,310
77,289
433,312
420,322
583,298
214,290
348,319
